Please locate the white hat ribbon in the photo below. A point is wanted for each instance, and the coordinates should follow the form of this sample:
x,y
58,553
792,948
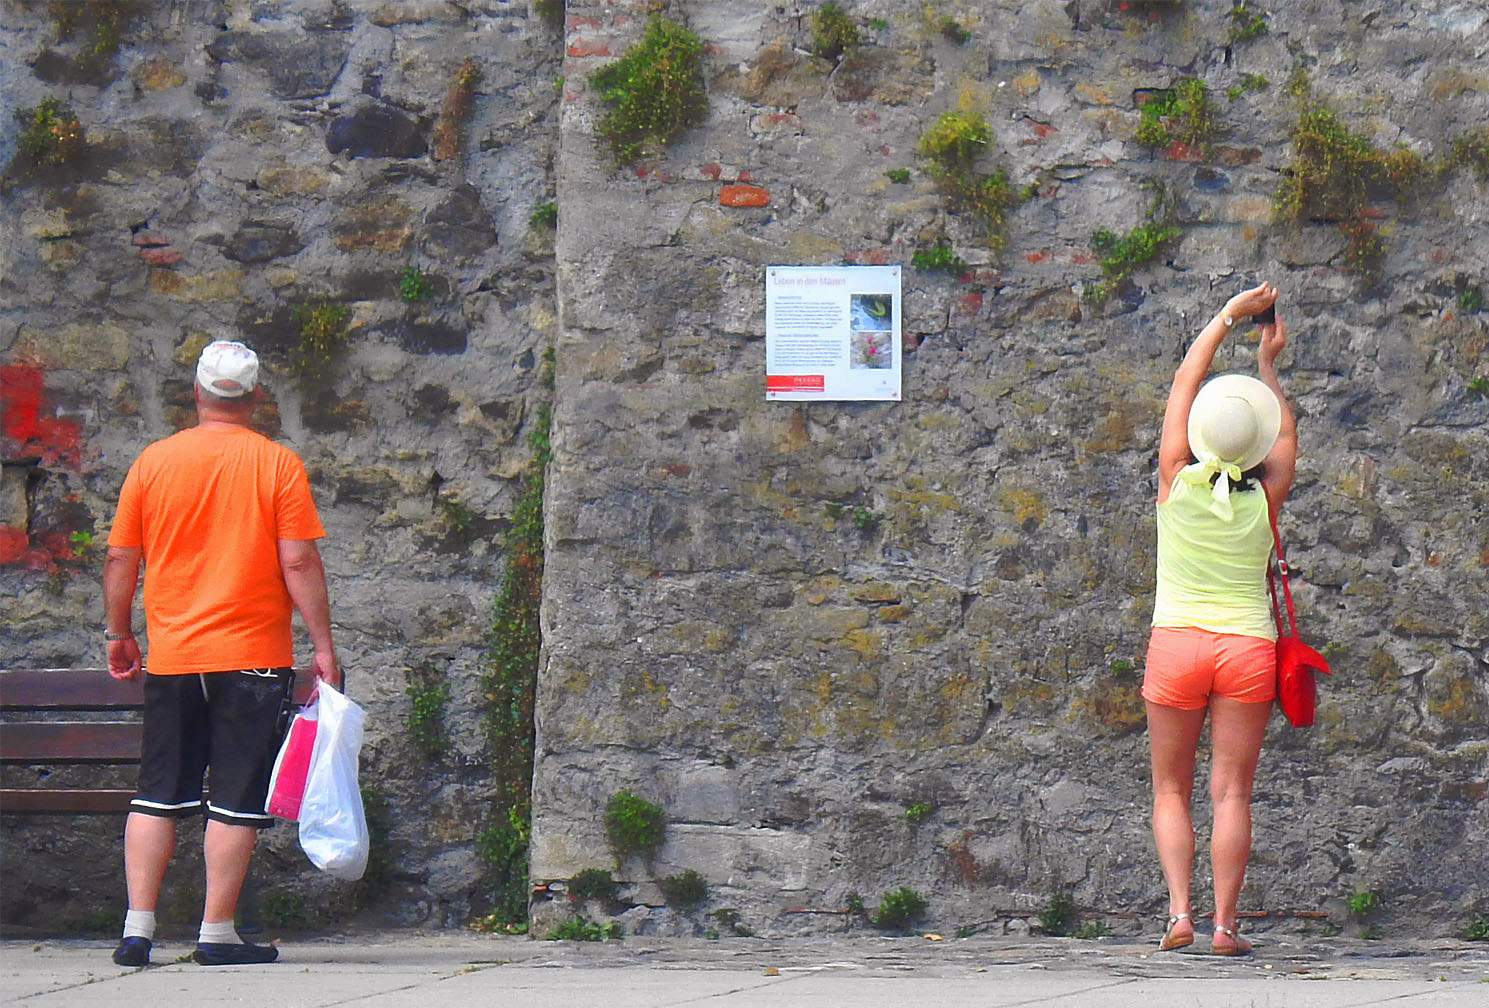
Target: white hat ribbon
x,y
1200,473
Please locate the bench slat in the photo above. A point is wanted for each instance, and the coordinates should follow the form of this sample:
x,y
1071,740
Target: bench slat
x,y
88,690
71,742
85,689
41,801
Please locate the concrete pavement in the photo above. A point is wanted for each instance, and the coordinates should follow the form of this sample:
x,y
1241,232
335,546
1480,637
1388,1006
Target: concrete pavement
x,y
463,970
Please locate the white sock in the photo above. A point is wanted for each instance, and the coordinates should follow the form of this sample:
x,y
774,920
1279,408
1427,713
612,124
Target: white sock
x,y
140,924
221,933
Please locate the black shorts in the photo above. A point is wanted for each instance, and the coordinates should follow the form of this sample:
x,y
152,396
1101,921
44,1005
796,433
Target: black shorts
x,y
232,722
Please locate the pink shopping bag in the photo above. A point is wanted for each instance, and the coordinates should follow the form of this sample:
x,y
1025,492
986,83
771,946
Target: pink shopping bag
x,y
287,782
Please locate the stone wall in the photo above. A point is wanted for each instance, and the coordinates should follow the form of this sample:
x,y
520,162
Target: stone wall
x,y
785,685
782,682
245,158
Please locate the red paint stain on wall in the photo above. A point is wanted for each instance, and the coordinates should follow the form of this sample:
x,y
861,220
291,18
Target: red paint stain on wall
x,y
744,196
13,544
28,433
581,48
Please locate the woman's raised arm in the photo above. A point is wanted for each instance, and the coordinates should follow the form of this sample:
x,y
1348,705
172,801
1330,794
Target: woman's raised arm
x,y
1173,447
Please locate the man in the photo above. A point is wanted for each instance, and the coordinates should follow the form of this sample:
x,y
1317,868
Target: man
x,y
226,526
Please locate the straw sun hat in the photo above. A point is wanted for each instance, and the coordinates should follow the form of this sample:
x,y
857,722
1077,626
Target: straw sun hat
x,y
1235,418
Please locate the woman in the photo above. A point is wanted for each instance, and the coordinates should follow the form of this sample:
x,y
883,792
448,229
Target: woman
x,y
1227,456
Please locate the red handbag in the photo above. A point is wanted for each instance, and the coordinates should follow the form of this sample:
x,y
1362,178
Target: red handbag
x,y
1297,663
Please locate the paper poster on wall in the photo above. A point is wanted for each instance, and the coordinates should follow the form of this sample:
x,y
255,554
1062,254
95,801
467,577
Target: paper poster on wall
x,y
832,332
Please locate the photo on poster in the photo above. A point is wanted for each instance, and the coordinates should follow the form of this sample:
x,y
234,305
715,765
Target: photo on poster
x,y
871,344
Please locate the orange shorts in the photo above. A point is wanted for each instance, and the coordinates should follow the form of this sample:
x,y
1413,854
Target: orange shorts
x,y
1187,665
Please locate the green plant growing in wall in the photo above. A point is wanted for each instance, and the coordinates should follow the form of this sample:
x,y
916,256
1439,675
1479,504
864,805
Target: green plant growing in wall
x,y
1362,903
378,811
51,135
865,520
685,891
1471,151
953,31
1093,930
939,258
461,519
509,683
1334,176
1121,255
502,849
1246,23
1477,931
594,883
415,285
878,24
428,696
96,921
833,32
1058,916
323,336
551,11
728,917
582,929
952,145
544,215
899,176
954,141
284,909
100,25
899,910
1470,300
1249,82
1183,115
917,813
1362,906
634,826
652,93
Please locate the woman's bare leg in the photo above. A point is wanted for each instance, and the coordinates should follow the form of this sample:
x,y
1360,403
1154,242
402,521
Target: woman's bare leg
x,y
1173,736
1236,732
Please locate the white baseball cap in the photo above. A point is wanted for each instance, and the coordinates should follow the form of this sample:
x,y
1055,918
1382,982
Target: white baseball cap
x,y
1235,418
227,368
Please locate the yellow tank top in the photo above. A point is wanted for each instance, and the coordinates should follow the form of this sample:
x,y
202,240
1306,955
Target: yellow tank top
x,y
1213,549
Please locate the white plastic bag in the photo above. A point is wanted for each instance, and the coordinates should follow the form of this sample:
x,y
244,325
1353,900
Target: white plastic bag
x,y
333,828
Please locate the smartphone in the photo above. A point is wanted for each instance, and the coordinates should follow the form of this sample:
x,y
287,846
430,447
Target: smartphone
x,y
1268,317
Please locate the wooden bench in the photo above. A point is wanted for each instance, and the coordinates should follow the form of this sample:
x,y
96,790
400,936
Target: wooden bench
x,y
73,717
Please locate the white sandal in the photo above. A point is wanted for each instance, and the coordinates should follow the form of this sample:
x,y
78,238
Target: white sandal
x,y
1242,946
1168,943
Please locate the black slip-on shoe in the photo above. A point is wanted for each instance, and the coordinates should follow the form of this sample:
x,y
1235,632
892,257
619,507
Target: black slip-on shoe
x,y
239,954
133,952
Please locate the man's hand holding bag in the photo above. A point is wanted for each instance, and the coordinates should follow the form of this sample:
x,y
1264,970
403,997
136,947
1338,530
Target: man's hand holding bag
x,y
333,827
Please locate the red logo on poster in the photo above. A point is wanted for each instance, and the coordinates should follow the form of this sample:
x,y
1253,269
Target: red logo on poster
x,y
796,383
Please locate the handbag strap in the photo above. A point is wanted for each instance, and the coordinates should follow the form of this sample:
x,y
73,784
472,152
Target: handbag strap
x,y
1287,592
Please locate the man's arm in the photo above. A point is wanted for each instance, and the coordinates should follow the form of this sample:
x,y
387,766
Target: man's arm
x,y
305,577
121,577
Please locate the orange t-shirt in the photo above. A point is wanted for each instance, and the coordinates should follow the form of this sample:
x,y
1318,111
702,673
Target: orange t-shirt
x,y
208,506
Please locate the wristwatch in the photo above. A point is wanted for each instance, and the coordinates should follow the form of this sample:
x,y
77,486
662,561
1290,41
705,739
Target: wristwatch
x,y
117,636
